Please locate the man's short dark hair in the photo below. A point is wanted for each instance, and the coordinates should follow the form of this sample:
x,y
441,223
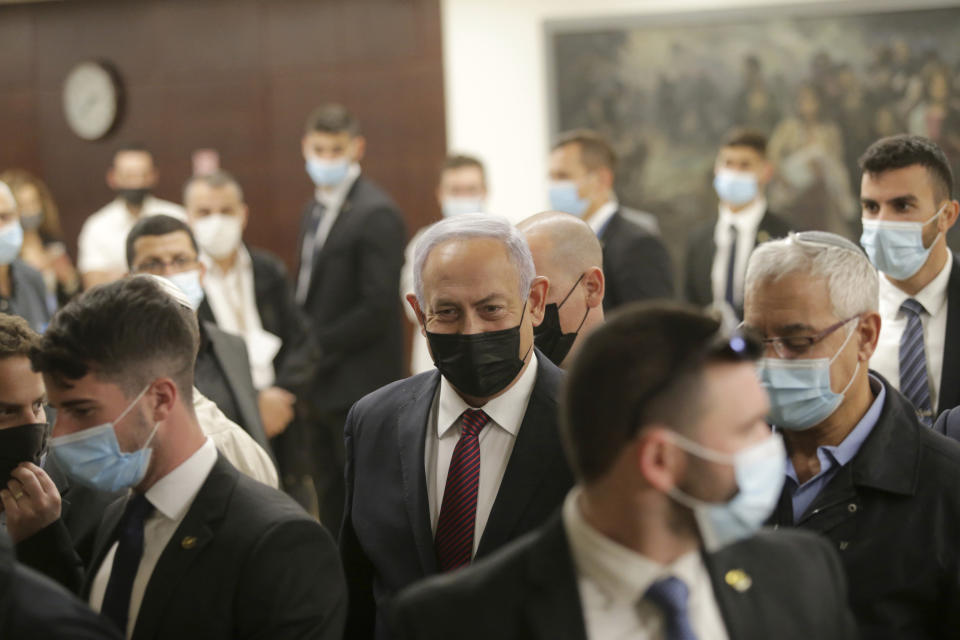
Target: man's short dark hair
x,y
643,366
332,118
898,152
128,332
745,137
158,225
132,147
16,337
216,180
462,160
595,150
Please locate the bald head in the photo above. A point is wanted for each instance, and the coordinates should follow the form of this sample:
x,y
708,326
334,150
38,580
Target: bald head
x,y
562,244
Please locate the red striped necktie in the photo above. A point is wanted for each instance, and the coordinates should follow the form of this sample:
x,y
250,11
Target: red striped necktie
x,y
458,512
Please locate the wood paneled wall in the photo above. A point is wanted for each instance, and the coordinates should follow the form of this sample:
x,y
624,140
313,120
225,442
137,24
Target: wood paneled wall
x,y
239,76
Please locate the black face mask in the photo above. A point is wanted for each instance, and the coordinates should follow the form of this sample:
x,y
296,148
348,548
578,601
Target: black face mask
x,y
25,443
478,364
134,197
549,336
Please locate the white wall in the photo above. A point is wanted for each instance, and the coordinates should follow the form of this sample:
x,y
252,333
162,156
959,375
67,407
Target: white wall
x,y
495,74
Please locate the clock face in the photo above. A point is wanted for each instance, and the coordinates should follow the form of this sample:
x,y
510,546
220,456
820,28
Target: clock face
x,y
90,100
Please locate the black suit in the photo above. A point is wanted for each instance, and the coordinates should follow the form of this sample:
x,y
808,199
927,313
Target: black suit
x,y
354,313
950,376
386,541
636,264
34,608
894,514
701,250
246,562
222,374
529,591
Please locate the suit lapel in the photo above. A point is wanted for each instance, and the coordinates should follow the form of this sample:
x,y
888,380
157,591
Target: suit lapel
x,y
188,541
527,463
950,376
553,607
735,599
413,420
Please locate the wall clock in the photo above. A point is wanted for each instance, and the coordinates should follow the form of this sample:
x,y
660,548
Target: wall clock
x,y
91,99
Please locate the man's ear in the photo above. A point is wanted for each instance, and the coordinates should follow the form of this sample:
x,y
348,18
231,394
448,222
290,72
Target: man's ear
x,y
421,320
244,215
869,334
359,148
660,462
766,172
538,298
595,284
165,393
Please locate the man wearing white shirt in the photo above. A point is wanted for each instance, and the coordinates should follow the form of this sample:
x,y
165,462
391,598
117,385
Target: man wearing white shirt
x,y
449,465
100,247
717,252
663,422
583,168
906,194
195,549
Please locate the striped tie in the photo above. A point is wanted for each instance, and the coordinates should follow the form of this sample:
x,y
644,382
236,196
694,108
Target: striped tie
x,y
670,595
458,512
913,362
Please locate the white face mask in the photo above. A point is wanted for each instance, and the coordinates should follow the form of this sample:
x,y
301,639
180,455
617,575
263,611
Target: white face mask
x,y
218,234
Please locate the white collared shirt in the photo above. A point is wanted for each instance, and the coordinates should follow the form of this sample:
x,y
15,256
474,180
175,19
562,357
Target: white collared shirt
x,y
601,217
233,300
745,222
893,322
172,495
496,442
102,245
612,580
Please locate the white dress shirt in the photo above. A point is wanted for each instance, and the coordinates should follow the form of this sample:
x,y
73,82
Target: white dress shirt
x,y
496,442
233,443
233,300
745,222
102,245
612,580
893,322
601,217
171,497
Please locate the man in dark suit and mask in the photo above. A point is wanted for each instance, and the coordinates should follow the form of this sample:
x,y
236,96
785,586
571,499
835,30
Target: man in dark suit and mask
x,y
663,422
451,464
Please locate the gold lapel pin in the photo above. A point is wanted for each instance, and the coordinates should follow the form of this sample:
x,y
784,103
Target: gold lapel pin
x,y
738,579
189,542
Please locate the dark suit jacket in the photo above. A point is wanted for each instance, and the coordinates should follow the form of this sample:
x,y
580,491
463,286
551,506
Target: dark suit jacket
x,y
246,562
635,261
950,376
386,541
529,591
894,514
34,608
352,302
701,249
232,364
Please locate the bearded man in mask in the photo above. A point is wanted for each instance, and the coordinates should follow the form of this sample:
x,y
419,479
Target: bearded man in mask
x,y
100,248
451,464
861,469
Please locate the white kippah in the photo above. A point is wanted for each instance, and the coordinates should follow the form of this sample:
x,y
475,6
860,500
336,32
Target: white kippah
x,y
166,285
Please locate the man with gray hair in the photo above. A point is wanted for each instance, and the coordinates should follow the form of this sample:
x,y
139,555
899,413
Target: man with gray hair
x,y
452,464
568,253
862,470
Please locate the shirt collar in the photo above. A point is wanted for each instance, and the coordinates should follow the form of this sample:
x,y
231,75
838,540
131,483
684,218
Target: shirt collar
x,y
506,410
332,199
242,262
932,297
173,494
602,216
621,573
744,220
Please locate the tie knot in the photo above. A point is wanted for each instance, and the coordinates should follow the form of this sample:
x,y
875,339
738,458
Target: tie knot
x,y
473,421
138,509
912,306
670,594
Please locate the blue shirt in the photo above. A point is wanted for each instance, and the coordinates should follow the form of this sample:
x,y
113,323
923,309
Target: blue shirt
x,y
832,458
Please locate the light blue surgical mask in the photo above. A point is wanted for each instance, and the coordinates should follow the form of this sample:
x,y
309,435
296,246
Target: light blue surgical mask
x,y
328,173
565,197
736,187
11,240
189,283
93,456
800,392
760,471
896,248
455,206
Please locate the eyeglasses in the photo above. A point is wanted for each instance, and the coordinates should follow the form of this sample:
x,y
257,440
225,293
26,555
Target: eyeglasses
x,y
159,267
794,346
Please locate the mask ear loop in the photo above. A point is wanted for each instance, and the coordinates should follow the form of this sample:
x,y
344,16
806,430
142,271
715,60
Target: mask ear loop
x,y
840,350
562,302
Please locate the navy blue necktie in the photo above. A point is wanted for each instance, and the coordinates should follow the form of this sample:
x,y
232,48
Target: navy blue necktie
x,y
913,362
116,600
731,268
671,595
308,251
